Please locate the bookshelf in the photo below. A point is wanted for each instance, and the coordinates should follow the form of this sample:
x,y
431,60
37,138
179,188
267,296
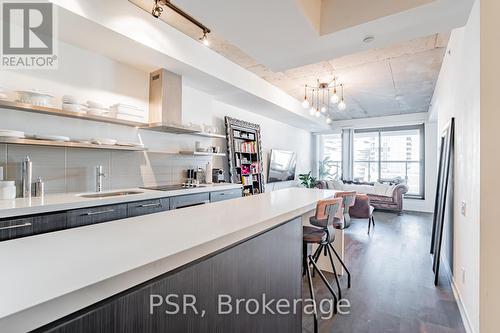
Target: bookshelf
x,y
245,155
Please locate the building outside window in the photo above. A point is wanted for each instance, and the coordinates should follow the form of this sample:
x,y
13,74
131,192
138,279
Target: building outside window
x,y
390,154
330,164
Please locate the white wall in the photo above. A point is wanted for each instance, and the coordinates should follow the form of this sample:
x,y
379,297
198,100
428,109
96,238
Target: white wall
x,y
490,161
275,135
457,95
91,76
205,109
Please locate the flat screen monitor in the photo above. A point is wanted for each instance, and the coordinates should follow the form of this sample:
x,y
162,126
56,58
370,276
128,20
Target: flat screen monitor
x,y
282,165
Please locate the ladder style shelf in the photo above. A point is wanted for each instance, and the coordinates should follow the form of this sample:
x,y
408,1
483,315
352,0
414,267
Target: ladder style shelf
x,y
245,155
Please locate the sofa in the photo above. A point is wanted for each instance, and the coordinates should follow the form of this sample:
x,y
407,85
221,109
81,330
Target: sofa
x,y
385,196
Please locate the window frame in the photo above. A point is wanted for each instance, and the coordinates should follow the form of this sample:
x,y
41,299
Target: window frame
x,y
322,153
380,130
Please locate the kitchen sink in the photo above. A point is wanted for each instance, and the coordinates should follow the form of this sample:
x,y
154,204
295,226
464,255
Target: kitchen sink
x,y
109,194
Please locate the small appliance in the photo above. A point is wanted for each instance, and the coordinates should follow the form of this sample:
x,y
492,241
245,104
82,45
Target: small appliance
x,y
218,176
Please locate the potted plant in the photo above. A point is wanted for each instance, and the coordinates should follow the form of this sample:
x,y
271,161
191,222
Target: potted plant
x,y
307,180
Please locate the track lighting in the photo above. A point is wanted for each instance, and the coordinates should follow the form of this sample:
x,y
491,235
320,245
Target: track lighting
x,y
158,10
204,39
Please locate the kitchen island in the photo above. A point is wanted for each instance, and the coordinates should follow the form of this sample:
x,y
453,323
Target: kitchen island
x,y
101,277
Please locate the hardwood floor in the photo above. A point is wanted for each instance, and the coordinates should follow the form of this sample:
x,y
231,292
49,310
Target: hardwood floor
x,y
392,281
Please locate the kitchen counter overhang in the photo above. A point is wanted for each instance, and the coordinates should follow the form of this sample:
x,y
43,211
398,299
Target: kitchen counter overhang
x,y
48,276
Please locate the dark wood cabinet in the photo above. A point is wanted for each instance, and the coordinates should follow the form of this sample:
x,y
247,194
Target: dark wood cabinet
x,y
29,226
50,222
15,228
11,228
189,200
147,207
86,216
243,271
225,195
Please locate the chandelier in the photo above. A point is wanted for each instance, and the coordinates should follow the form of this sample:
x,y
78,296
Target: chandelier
x,y
319,98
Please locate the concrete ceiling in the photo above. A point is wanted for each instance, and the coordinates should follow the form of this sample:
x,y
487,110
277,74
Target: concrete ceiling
x,y
285,34
396,79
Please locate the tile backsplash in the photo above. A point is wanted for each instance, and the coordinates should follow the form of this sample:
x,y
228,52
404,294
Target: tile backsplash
x,y
73,170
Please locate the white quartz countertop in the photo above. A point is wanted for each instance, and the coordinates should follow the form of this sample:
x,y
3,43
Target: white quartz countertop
x,y
48,276
66,201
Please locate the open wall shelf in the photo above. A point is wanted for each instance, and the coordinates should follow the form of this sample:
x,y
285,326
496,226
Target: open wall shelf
x,y
62,113
70,144
201,153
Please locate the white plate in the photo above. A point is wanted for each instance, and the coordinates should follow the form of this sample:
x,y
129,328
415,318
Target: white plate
x,y
6,183
104,141
96,112
3,96
95,105
85,141
127,110
69,99
34,97
74,108
129,144
11,134
52,138
128,117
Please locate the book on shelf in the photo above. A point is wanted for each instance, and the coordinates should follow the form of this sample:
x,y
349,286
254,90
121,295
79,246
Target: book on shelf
x,y
248,147
245,169
255,167
246,180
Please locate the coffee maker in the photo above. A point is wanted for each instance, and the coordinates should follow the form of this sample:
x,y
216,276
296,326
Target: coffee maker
x,y
218,176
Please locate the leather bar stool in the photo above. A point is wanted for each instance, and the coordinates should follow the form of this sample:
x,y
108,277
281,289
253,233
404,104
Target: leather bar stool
x,y
349,198
329,221
363,210
322,237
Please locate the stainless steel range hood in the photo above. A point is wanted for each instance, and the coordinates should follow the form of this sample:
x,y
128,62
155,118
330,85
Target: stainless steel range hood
x,y
165,103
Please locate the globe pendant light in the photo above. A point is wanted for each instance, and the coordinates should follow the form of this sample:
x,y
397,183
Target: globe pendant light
x,y
324,94
305,103
342,106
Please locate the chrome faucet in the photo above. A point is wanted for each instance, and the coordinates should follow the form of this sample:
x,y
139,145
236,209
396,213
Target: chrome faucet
x,y
98,178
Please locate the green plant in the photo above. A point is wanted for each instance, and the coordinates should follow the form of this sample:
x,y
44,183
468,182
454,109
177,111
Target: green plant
x,y
307,180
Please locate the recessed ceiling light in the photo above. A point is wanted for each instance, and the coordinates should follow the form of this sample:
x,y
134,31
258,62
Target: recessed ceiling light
x,y
368,39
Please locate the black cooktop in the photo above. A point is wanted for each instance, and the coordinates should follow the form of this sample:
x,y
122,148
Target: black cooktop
x,y
170,187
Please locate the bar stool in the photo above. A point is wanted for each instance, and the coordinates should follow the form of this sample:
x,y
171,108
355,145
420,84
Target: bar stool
x,y
321,219
349,198
322,237
363,210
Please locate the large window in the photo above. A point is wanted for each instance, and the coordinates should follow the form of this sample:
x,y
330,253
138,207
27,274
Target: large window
x,y
330,166
387,154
